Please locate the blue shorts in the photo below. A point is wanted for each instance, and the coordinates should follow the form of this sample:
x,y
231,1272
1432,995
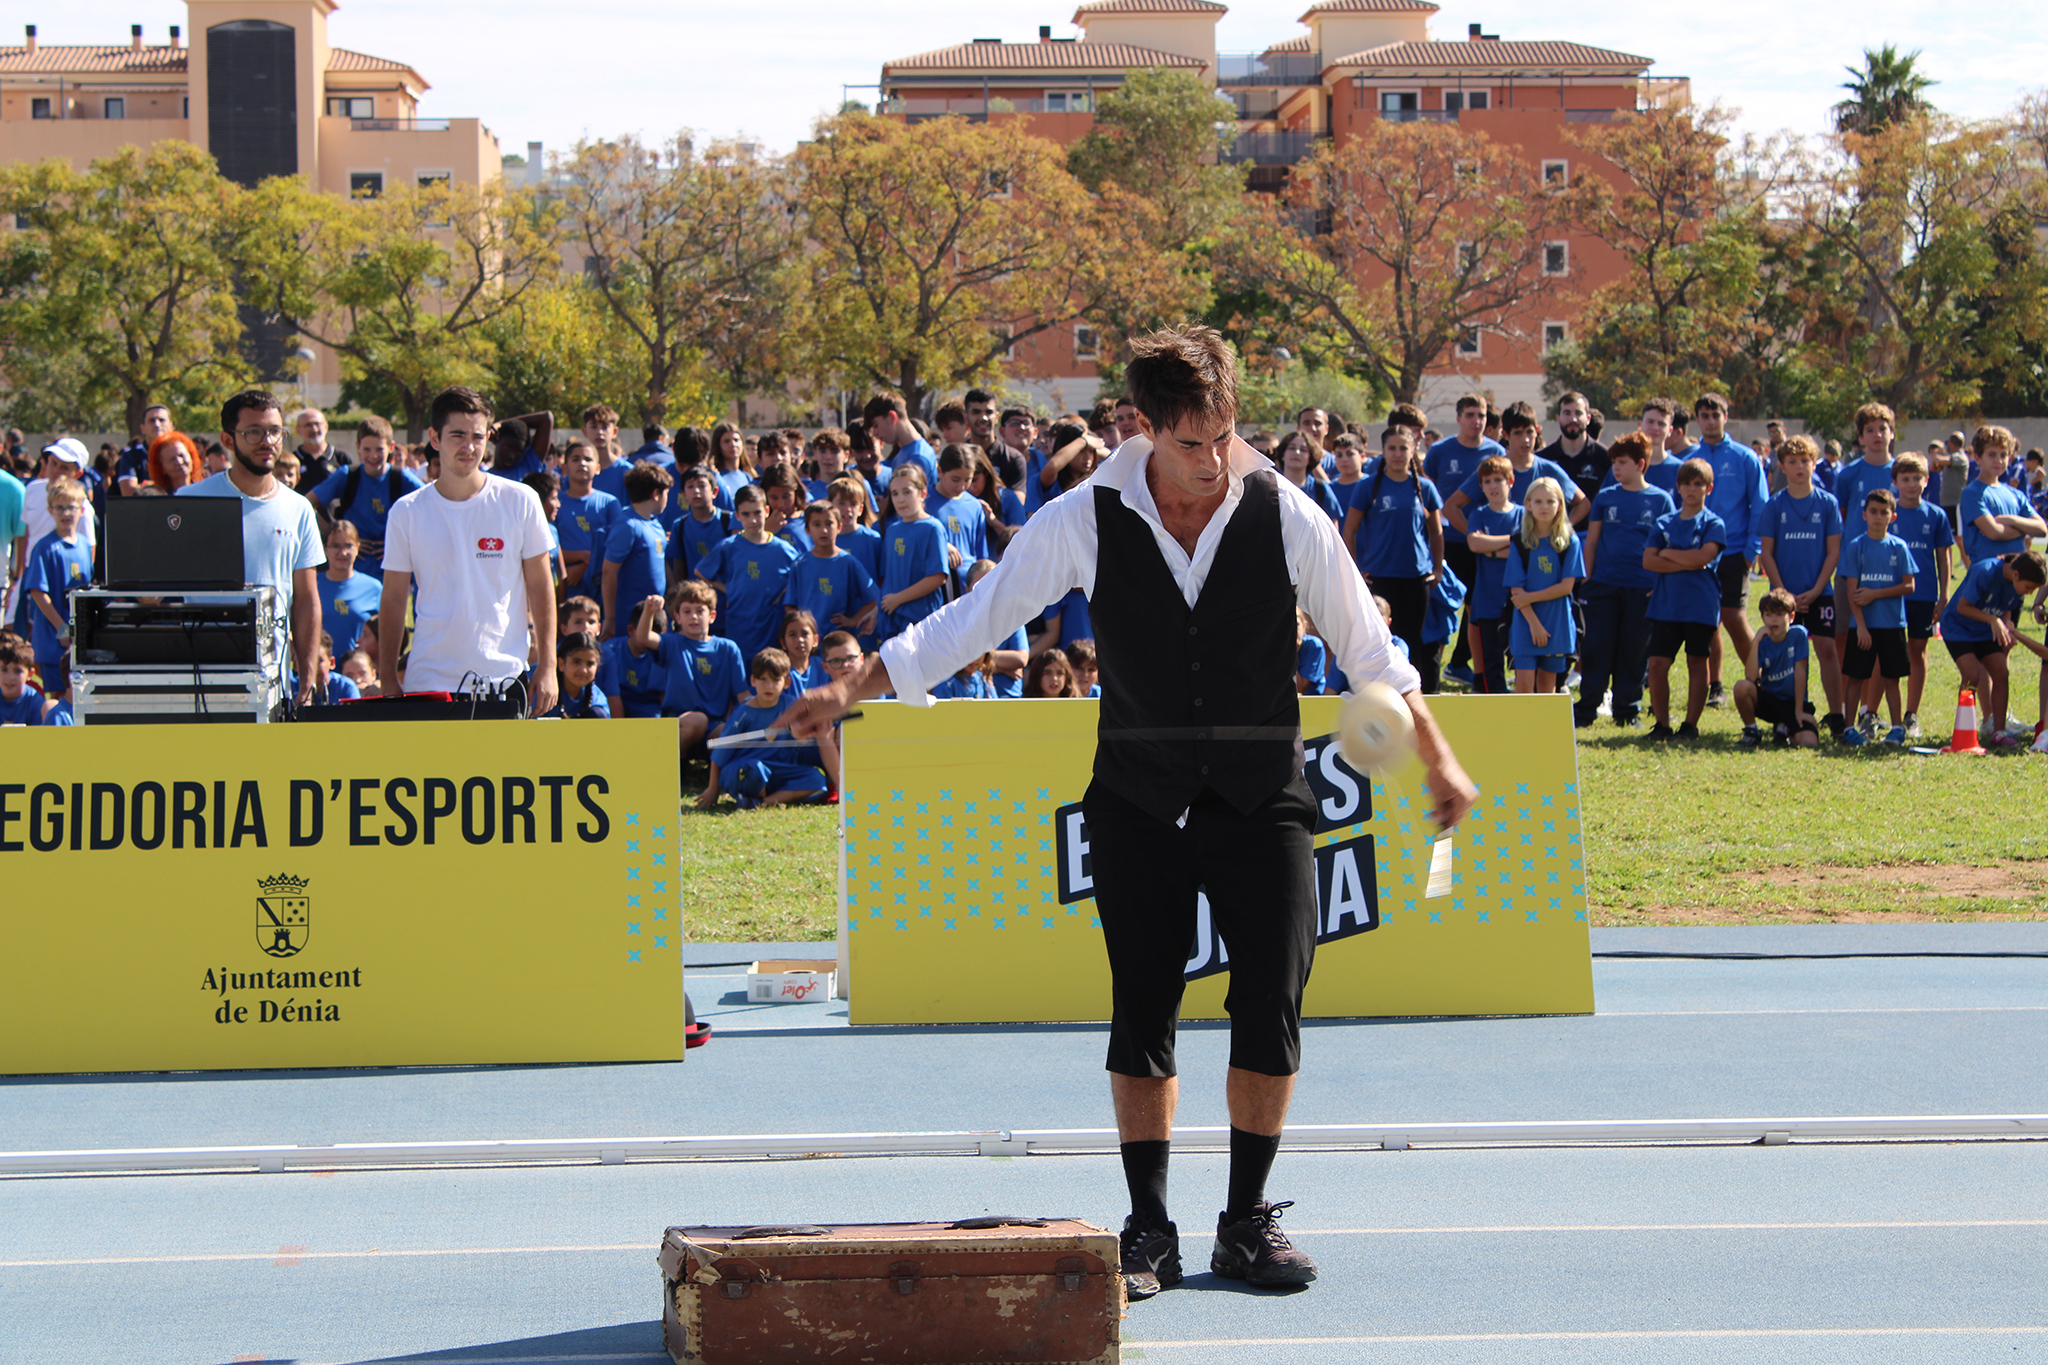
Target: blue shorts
x,y
763,778
1549,663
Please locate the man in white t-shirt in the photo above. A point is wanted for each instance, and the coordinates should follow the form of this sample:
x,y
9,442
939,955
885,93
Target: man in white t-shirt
x,y
478,548
281,545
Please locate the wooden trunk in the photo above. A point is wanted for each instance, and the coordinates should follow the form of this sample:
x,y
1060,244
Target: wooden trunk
x,y
1011,1290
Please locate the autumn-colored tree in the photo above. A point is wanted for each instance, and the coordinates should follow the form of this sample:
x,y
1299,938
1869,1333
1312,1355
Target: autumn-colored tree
x,y
404,287
564,349
1915,212
939,245
1417,234
120,279
694,252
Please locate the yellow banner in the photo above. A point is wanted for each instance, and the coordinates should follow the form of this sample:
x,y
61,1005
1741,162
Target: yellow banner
x,y
968,901
187,897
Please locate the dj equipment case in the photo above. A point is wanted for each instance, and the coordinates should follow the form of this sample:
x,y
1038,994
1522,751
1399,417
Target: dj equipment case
x,y
983,1290
114,629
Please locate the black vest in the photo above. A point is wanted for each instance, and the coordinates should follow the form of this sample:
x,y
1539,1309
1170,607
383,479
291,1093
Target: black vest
x,y
1203,697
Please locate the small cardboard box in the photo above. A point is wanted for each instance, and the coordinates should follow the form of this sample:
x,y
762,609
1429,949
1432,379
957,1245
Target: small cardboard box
x,y
790,981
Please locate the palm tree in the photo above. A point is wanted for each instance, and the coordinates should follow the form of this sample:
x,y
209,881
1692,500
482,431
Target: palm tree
x,y
1886,91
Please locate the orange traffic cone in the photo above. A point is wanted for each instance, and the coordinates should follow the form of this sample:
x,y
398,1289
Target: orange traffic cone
x,y
1964,740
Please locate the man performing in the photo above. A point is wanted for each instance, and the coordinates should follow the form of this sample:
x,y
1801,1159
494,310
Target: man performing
x,y
1194,555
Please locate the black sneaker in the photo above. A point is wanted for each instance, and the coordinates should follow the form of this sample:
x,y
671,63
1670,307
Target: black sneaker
x,y
1781,733
1254,1250
1717,695
1688,731
1151,1258
1658,732
1835,723
1751,737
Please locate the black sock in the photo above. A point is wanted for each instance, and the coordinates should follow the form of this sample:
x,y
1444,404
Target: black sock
x,y
1145,1173
1251,1160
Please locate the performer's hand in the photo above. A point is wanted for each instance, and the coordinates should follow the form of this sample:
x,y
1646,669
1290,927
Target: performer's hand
x,y
816,710
544,693
1451,791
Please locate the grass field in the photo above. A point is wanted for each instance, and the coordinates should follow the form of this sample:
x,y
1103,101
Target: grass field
x,y
1700,833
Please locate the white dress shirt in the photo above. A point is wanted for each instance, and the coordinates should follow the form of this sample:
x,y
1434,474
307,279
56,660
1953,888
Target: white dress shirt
x,y
1055,553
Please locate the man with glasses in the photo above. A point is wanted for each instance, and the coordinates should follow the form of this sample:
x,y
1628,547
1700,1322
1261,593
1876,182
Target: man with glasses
x,y
281,545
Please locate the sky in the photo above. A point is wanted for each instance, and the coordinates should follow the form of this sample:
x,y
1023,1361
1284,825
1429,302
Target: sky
x,y
555,73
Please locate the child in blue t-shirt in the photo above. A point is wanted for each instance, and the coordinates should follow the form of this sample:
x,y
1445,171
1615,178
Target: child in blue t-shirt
x,y
348,599
962,517
913,556
1297,457
1490,532
1394,530
828,583
700,528
60,563
702,675
752,570
799,642
1087,667
20,704
1924,527
1982,623
1685,603
1996,517
577,660
766,776
1616,639
1877,574
584,522
1773,688
636,547
1802,545
1543,566
633,681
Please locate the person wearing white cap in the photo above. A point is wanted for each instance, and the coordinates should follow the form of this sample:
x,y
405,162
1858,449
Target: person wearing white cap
x,y
56,457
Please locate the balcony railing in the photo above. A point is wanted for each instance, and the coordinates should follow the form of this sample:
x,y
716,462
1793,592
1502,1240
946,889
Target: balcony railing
x,y
976,106
1273,68
399,125
1419,115
1272,149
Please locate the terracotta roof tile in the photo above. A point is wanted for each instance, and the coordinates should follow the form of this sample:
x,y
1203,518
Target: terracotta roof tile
x,y
1040,56
1299,43
1490,55
342,59
65,58
1149,7
1370,7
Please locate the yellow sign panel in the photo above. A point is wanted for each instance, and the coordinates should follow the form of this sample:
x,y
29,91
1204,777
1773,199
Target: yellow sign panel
x,y
968,897
420,893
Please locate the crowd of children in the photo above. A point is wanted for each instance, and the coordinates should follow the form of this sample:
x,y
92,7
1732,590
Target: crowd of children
x,y
709,579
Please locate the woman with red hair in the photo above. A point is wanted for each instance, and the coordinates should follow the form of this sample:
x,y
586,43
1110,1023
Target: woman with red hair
x,y
172,458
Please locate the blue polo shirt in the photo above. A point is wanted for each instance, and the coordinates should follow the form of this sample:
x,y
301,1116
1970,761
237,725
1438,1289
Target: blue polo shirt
x,y
1926,531
1489,598
1884,562
369,510
1694,595
1985,588
1450,463
1626,521
1989,499
700,675
826,588
1532,568
755,577
54,568
346,607
585,524
1777,661
1393,525
1853,483
637,546
1798,529
637,680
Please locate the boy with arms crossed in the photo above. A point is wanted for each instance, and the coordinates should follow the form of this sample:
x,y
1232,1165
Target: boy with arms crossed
x,y
1924,527
1625,512
1490,532
1685,602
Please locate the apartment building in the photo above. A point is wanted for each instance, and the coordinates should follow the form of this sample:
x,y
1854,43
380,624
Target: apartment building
x,y
261,88
1353,62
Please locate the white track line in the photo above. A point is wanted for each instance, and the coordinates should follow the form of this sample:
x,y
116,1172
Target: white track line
x,y
378,1253
1674,1334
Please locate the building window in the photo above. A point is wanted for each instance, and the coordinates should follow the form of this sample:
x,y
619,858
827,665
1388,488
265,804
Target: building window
x,y
1066,102
1557,258
185,107
1556,175
1468,343
1400,105
114,106
1455,100
1084,341
39,108
351,106
1555,334
997,182
430,181
366,184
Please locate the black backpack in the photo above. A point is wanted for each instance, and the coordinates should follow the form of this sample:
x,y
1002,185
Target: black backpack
x,y
354,483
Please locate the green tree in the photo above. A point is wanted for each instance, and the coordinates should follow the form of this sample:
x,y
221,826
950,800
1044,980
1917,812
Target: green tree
x,y
1417,234
404,287
120,287
942,245
564,349
694,252
1889,90
1160,136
